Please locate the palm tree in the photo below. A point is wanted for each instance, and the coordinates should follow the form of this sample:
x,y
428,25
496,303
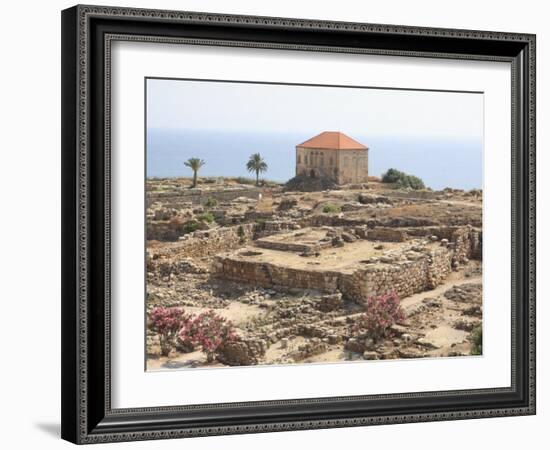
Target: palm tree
x,y
194,164
256,164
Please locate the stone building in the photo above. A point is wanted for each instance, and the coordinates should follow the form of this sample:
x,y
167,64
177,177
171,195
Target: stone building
x,y
333,155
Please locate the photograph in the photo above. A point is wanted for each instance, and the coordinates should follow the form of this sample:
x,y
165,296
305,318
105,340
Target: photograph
x,y
311,224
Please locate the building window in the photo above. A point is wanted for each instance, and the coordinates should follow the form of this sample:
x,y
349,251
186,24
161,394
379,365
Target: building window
x,y
299,159
305,159
331,162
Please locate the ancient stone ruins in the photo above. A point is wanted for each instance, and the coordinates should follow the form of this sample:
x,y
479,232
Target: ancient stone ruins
x,y
292,272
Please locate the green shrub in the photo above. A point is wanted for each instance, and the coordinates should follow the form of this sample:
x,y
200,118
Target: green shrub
x,y
415,182
260,221
403,180
477,340
241,234
330,208
207,217
392,176
245,180
211,202
190,226
178,227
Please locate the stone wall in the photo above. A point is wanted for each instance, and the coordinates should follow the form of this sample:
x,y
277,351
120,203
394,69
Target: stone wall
x,y
405,277
412,195
200,196
465,240
210,242
270,275
439,267
287,246
335,220
342,166
387,234
331,220
269,227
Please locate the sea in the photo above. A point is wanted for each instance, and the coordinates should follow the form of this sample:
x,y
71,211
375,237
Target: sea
x,y
440,162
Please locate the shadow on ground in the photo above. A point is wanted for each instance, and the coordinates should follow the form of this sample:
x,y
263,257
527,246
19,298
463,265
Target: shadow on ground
x,y
53,429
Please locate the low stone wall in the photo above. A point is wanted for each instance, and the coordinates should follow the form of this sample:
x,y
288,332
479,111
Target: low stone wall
x,y
199,196
439,267
404,278
209,242
466,240
412,195
270,275
387,234
330,220
287,246
269,227
333,220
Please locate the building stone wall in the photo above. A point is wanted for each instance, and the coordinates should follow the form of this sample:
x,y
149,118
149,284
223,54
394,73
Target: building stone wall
x,y
353,166
341,166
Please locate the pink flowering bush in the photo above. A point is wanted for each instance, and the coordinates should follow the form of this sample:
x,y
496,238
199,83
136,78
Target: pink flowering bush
x,y
381,312
209,330
167,322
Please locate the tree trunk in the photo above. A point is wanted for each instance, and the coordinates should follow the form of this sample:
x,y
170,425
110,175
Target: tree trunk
x,y
194,179
257,177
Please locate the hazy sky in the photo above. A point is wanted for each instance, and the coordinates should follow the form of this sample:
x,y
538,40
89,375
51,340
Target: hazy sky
x,y
223,106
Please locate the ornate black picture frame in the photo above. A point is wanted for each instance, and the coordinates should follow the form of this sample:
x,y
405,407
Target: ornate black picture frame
x,y
87,33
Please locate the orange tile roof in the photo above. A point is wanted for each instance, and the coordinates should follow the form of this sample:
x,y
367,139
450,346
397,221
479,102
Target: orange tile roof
x,y
333,140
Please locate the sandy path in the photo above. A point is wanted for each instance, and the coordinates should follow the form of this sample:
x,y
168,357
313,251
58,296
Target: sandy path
x,y
237,312
455,279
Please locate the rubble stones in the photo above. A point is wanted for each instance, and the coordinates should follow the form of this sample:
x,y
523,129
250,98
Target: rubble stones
x,y
464,325
370,355
242,352
314,347
348,237
287,204
374,199
330,302
464,293
355,345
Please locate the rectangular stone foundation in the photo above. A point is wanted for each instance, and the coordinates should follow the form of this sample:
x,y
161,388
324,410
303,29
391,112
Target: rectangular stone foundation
x,y
357,281
358,270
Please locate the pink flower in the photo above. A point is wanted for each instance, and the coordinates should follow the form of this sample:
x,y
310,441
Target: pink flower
x,y
381,312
